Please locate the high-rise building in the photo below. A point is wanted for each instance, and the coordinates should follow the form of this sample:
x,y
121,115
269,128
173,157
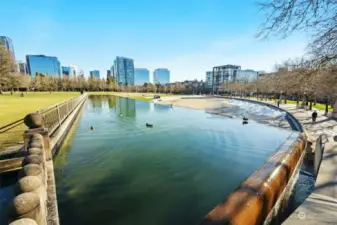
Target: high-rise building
x,y
209,78
72,71
45,65
142,76
21,67
94,74
109,76
65,70
161,76
229,73
112,70
247,75
7,43
124,71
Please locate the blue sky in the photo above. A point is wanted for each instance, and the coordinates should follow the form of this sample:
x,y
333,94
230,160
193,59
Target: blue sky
x,y
188,37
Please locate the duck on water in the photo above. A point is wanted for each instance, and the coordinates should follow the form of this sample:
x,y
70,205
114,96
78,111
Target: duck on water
x,y
245,120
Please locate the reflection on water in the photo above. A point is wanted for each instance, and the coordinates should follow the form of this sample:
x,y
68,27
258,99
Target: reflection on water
x,y
125,173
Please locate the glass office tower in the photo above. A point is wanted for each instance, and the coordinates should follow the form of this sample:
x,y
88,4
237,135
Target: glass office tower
x,y
142,76
8,44
124,71
161,76
95,74
45,65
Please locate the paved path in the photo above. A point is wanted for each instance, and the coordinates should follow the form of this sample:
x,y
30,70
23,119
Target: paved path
x,y
323,125
321,206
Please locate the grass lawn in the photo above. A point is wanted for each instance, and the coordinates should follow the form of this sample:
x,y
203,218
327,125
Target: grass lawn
x,y
13,107
138,96
317,106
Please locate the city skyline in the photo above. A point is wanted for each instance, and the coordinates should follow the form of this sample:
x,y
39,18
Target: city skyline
x,y
126,73
191,39
50,65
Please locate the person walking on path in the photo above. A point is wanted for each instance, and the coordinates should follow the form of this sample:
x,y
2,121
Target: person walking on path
x,y
278,103
314,116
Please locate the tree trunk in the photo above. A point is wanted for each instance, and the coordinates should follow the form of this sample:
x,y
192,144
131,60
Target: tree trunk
x,y
285,98
303,100
310,106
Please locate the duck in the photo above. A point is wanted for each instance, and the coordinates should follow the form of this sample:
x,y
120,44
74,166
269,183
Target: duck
x,y
92,128
244,122
245,118
149,125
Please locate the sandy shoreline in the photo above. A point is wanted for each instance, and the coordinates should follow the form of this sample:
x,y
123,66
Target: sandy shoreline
x,y
219,106
194,102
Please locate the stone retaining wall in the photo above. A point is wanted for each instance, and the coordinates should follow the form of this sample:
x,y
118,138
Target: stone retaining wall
x,y
30,203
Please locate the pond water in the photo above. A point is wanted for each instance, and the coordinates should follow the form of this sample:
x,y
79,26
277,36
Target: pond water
x,y
124,173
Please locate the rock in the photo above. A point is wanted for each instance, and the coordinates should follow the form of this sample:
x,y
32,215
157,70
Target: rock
x,y
34,120
24,221
32,159
28,184
31,170
35,145
23,204
36,136
35,151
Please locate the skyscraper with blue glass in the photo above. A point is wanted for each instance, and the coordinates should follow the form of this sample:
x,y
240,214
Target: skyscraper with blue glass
x,y
7,43
65,70
45,65
142,76
95,74
161,76
124,71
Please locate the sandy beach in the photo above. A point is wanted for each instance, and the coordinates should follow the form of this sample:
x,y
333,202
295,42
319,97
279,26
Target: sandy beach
x,y
194,102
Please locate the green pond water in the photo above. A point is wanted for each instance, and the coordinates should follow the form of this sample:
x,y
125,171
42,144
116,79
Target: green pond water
x,y
125,173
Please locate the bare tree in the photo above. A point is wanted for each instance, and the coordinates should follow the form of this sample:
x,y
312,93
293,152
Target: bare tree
x,y
52,83
6,67
319,17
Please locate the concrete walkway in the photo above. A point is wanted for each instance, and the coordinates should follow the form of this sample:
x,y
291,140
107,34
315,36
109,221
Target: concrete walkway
x,y
321,206
323,125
